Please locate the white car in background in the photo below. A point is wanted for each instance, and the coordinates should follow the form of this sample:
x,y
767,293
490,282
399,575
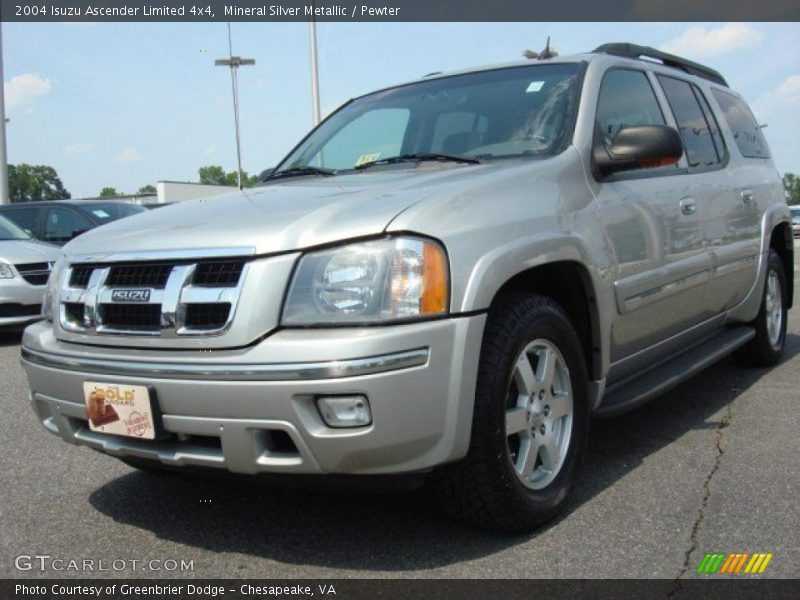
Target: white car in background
x,y
795,220
25,265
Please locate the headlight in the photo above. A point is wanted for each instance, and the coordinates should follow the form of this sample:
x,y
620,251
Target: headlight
x,y
384,280
6,272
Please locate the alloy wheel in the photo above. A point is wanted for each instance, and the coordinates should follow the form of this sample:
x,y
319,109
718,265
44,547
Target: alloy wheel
x,y
539,412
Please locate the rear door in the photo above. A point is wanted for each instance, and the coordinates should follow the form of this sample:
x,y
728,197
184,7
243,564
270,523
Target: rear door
x,y
734,224
709,182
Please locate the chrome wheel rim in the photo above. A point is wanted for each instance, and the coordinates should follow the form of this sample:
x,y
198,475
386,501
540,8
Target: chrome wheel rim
x,y
539,411
774,308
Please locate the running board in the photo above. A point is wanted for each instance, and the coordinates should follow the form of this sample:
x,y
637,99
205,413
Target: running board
x,y
653,382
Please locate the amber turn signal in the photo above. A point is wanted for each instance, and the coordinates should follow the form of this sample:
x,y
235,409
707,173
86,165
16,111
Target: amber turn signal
x,y
434,280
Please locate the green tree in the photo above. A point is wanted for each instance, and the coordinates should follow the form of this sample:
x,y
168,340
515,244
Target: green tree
x,y
212,175
30,183
109,192
147,189
791,183
216,175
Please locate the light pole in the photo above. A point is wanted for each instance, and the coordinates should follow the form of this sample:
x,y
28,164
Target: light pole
x,y
312,42
234,62
4,192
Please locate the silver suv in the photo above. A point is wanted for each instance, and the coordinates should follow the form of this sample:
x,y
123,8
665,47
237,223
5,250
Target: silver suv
x,y
447,277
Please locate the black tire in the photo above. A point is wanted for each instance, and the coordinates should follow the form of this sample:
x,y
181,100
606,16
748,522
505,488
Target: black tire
x,y
761,351
484,489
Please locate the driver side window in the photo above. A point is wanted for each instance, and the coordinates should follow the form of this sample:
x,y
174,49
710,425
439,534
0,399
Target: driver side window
x,y
626,100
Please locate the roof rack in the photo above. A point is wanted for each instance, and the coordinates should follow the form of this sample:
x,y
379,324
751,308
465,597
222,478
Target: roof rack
x,y
670,60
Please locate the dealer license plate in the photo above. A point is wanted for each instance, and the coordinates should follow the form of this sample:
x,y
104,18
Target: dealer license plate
x,y
120,409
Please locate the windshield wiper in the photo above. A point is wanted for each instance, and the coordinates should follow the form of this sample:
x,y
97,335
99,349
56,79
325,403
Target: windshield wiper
x,y
299,171
419,157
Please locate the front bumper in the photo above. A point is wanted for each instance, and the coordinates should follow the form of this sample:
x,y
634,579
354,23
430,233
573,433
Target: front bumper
x,y
228,408
15,292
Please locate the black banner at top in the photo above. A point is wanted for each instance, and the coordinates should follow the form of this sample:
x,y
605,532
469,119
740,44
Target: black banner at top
x,y
398,10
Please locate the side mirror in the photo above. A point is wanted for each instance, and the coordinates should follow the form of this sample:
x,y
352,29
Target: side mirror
x,y
641,147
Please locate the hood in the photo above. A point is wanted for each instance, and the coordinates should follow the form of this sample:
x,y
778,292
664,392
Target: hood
x,y
18,252
282,216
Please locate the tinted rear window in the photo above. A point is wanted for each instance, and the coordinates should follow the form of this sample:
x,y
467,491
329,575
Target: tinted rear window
x,y
748,136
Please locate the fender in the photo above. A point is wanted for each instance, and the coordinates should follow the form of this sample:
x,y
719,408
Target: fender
x,y
747,309
497,267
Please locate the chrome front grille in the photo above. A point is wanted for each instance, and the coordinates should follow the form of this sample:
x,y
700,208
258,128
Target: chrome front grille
x,y
218,273
79,278
139,276
151,298
132,317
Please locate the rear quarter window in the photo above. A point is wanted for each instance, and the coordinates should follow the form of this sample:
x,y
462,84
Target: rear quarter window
x,y
748,136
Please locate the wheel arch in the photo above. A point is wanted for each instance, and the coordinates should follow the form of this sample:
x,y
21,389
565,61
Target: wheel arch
x,y
782,241
568,283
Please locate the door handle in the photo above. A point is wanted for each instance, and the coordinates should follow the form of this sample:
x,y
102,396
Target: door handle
x,y
748,197
688,207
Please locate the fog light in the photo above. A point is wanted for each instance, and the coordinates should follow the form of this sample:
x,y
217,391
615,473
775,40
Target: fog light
x,y
344,411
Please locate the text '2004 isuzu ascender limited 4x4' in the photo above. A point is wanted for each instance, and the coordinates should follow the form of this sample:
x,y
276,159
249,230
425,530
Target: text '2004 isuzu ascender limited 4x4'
x,y
447,277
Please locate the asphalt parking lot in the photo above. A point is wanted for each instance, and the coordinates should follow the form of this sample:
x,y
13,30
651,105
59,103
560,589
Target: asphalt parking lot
x,y
712,466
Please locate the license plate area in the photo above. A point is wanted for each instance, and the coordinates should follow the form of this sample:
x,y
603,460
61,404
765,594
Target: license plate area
x,y
121,409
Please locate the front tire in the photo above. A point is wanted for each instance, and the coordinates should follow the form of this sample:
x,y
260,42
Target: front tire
x,y
530,421
766,348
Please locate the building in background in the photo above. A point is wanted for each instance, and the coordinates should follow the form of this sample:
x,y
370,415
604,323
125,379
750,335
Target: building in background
x,y
168,192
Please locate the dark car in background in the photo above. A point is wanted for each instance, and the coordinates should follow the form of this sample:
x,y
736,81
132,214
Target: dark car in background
x,y
60,221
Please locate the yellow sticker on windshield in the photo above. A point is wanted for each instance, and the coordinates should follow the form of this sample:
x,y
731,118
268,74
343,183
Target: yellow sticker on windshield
x,y
366,158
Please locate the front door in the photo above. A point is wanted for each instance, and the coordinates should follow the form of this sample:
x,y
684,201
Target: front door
x,y
653,220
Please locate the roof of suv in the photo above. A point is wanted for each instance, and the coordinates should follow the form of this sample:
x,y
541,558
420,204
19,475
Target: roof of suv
x,y
622,50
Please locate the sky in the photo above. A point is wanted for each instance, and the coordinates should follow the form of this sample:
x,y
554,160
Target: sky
x,y
129,104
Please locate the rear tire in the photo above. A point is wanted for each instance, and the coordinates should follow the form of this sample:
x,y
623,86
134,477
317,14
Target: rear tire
x,y
766,348
530,421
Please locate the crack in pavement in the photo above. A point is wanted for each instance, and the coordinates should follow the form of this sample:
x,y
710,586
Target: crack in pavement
x,y
701,513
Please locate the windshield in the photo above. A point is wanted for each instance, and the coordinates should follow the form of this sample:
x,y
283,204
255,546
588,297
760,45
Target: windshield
x,y
9,231
491,114
795,216
111,211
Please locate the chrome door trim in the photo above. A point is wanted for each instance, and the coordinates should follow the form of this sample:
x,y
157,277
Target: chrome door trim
x,y
677,286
